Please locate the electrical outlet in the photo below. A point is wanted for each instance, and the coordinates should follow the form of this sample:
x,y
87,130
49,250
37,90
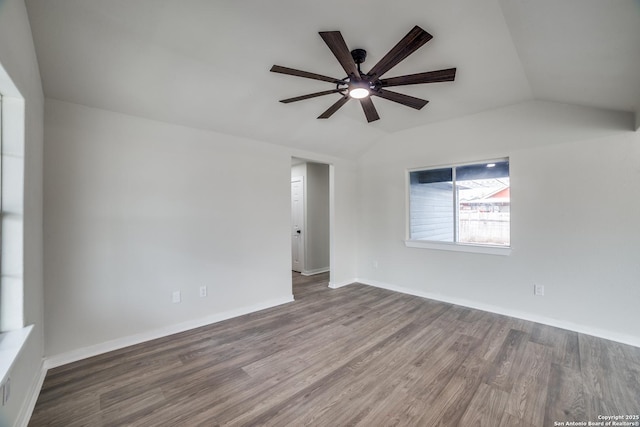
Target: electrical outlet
x,y
538,290
176,297
6,391
203,291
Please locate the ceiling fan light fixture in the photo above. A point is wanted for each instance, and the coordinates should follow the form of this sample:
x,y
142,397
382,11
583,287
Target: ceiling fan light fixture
x,y
359,90
359,93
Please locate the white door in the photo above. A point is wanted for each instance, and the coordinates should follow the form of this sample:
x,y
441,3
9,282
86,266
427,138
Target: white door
x,y
297,224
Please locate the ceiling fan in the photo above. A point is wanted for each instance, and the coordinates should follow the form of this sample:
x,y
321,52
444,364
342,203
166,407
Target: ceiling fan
x,y
362,86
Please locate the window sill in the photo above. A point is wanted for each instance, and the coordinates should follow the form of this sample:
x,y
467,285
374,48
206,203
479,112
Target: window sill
x,y
458,247
11,343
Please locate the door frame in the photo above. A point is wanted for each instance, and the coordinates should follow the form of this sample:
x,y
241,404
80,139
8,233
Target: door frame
x,y
302,228
331,210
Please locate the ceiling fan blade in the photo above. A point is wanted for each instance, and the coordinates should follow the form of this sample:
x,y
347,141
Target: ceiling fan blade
x,y
305,74
369,109
336,43
447,75
405,47
401,98
335,107
311,95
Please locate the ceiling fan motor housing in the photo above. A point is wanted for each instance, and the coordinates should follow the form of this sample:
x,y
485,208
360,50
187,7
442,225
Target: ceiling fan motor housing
x,y
359,55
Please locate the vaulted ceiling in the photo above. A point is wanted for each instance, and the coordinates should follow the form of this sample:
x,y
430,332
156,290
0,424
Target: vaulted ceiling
x,y
205,64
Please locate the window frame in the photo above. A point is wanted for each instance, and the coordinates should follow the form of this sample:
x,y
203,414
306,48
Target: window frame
x,y
452,246
13,332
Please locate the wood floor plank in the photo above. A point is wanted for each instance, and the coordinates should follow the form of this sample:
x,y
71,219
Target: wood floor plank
x,y
565,399
569,356
502,374
509,420
83,408
449,406
493,341
528,396
487,405
594,366
357,355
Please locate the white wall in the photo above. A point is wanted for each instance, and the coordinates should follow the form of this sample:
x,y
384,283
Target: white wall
x,y
299,169
317,190
17,56
344,225
136,209
574,227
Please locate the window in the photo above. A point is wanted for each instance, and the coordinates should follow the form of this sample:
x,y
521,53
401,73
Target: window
x,y
461,205
12,127
13,333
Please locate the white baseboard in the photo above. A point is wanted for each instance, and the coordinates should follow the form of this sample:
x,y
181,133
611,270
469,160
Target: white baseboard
x,y
314,271
336,285
596,332
94,350
32,397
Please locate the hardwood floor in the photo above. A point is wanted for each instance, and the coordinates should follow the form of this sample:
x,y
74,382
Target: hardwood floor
x,y
357,355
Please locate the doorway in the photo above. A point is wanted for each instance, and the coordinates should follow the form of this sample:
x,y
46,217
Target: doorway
x,y
311,201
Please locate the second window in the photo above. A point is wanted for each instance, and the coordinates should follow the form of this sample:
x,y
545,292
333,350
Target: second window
x,y
466,204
